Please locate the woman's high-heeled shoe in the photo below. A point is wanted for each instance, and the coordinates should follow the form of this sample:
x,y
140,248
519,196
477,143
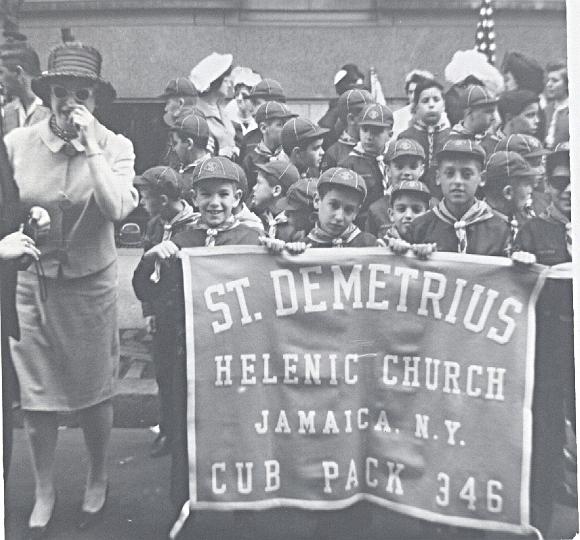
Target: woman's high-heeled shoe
x,y
88,519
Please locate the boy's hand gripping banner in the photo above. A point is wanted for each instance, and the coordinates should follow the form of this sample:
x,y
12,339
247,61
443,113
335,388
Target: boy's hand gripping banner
x,y
347,374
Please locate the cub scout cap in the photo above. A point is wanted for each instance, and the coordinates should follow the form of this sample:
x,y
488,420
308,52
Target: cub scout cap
x,y
478,96
299,130
338,176
352,102
300,195
462,146
219,168
192,125
508,165
270,90
179,87
560,154
404,147
283,172
163,179
412,186
376,114
526,146
271,110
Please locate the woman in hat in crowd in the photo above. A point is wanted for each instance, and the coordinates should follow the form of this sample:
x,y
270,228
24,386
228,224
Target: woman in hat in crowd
x,y
68,354
241,109
212,79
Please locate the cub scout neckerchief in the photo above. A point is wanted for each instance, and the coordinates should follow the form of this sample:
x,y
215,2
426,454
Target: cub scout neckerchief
x,y
263,150
272,221
211,232
322,237
347,139
479,211
553,215
186,215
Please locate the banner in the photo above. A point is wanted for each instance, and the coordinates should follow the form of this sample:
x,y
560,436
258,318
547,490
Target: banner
x,y
340,375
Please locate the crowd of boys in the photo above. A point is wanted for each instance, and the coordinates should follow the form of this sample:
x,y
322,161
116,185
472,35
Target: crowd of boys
x,y
490,176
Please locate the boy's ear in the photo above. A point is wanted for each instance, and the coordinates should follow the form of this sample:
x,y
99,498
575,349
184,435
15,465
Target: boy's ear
x,y
262,127
437,177
390,213
277,190
508,192
482,179
238,193
164,199
295,153
181,102
421,170
316,201
190,143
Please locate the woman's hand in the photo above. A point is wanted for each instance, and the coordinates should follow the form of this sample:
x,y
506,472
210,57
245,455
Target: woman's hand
x,y
84,121
163,251
16,245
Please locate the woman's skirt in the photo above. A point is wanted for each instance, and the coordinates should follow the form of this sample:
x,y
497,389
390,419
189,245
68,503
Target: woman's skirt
x,y
68,354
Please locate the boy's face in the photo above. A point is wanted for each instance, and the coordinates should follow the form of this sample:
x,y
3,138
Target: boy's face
x,y
527,121
405,208
151,201
299,220
180,147
482,118
173,106
430,106
556,87
311,156
216,200
262,193
559,189
272,132
242,95
459,179
374,138
522,189
338,209
405,168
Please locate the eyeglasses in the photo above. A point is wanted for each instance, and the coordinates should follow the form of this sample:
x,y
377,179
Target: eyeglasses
x,y
559,182
79,94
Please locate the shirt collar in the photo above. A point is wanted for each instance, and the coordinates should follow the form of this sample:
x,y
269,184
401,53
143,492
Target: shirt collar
x,y
55,144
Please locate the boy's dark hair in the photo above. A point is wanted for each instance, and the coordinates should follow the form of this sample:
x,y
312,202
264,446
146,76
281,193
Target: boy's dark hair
x,y
459,156
325,188
184,135
559,65
425,85
218,82
302,145
398,194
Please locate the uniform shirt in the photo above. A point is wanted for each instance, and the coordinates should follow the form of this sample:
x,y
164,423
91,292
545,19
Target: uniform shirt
x,y
378,215
490,237
259,154
15,115
81,240
338,152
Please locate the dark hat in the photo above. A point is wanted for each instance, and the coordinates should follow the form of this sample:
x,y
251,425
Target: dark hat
x,y
352,102
478,96
339,176
376,114
271,110
270,90
16,51
163,179
193,125
515,101
179,87
412,186
300,195
299,130
560,154
283,172
219,168
462,146
346,77
525,145
526,71
73,60
506,165
404,147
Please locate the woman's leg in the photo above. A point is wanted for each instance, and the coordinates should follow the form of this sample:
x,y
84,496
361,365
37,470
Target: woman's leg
x,y
97,422
42,429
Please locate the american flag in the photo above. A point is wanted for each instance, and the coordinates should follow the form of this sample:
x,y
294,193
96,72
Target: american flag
x,y
485,33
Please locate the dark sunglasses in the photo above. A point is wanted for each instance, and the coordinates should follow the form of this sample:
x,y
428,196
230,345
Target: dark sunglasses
x,y
559,182
79,94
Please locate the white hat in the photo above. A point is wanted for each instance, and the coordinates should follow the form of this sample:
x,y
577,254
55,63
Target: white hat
x,y
211,68
245,76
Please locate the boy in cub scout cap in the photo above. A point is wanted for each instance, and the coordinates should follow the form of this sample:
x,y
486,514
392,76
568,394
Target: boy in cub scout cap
x,y
367,157
302,143
479,115
216,185
405,160
549,237
162,191
274,179
298,206
270,117
509,184
350,104
519,111
340,196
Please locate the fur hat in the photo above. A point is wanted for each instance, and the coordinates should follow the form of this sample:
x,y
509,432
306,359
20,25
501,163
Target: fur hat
x,y
526,71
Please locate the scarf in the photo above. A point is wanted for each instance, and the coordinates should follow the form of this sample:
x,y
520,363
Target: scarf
x,y
262,150
460,129
272,221
347,139
212,232
321,237
185,215
553,215
479,211
379,158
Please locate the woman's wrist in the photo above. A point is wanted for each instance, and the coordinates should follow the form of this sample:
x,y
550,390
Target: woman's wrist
x,y
93,150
